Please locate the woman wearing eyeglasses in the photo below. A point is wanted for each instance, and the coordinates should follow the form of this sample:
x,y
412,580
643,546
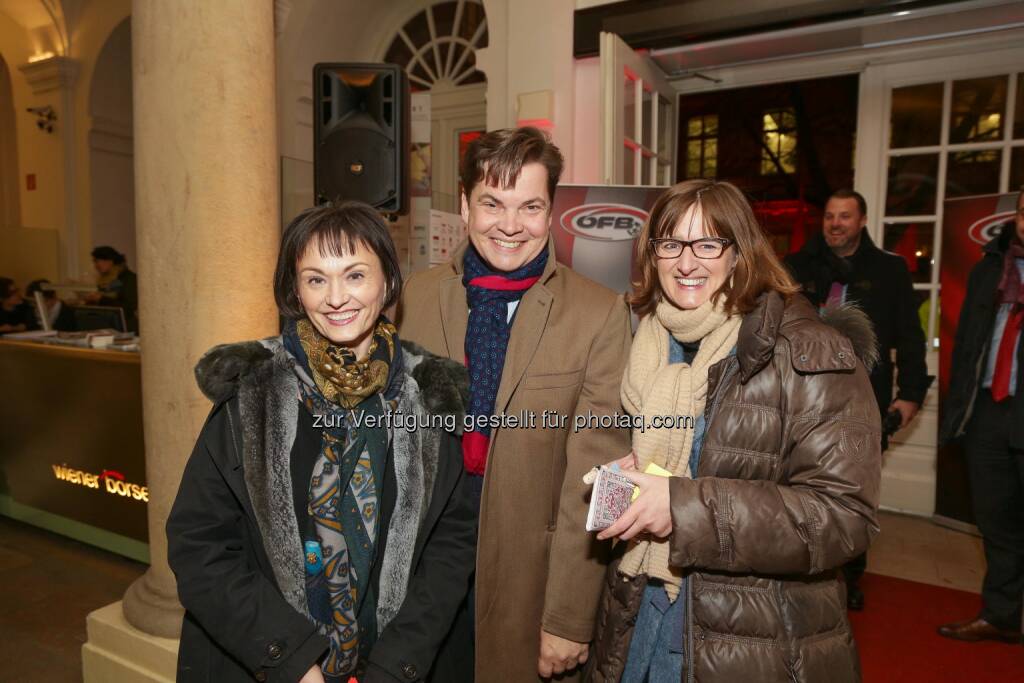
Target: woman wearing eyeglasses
x,y
728,566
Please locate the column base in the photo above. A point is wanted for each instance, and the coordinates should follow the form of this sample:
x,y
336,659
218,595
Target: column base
x,y
149,606
117,651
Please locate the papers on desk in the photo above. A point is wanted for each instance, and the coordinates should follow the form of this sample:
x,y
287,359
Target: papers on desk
x,y
28,336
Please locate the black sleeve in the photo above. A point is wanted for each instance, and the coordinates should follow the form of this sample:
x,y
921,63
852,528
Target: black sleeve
x,y
408,645
208,547
911,369
128,296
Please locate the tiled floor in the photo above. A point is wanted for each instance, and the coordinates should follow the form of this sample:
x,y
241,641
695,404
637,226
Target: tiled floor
x,y
918,550
48,584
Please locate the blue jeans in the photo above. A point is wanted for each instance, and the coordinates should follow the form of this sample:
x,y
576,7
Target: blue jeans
x,y
656,651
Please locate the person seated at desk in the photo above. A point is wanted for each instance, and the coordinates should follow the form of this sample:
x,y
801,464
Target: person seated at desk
x,y
16,315
117,285
60,316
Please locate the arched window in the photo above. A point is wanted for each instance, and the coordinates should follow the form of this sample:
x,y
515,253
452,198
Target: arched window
x,y
438,45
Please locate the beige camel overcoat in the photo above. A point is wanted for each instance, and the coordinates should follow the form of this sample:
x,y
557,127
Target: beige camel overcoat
x,y
536,564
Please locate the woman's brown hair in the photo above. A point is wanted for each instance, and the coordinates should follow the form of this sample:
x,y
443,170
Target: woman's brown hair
x,y
727,214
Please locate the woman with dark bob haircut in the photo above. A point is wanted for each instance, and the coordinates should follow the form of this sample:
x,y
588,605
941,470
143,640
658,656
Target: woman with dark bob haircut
x,y
321,530
728,565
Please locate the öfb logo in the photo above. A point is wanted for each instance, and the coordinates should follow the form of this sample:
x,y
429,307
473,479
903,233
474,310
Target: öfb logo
x,y
985,230
604,222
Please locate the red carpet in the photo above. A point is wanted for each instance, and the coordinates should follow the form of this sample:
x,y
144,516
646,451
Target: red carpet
x,y
897,639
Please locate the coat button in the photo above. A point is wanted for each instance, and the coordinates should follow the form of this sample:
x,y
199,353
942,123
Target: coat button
x,y
842,355
261,676
410,671
803,358
274,651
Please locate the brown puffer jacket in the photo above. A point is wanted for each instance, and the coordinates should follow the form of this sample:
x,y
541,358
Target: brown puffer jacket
x,y
786,492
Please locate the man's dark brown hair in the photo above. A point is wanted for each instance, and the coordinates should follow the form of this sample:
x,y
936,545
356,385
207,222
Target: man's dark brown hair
x,y
501,154
847,193
334,229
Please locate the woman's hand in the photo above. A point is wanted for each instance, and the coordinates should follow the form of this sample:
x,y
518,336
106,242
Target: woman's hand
x,y
650,512
314,675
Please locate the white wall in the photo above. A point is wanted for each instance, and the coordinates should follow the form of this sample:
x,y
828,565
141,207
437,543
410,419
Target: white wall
x,y
587,123
111,173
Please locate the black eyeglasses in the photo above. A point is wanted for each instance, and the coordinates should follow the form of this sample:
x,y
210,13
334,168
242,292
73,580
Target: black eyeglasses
x,y
705,247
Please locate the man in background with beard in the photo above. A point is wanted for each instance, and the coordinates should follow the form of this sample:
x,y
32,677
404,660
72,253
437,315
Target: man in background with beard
x,y
841,265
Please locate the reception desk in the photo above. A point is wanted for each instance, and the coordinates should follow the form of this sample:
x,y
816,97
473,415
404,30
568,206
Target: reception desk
x,y
71,451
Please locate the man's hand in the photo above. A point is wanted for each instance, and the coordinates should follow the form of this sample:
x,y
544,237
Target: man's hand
x,y
906,409
558,655
650,512
314,675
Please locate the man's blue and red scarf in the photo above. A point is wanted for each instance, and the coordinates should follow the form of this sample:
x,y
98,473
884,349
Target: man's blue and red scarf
x,y
488,293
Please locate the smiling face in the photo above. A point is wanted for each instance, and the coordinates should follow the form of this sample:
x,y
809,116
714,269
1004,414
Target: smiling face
x,y
687,281
342,295
509,227
842,225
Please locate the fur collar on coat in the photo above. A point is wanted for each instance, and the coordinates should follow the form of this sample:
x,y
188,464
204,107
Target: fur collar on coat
x,y
262,377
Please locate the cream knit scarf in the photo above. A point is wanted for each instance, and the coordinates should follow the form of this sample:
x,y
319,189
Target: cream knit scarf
x,y
652,387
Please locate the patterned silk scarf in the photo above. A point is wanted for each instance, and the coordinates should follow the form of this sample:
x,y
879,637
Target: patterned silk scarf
x,y
489,292
343,492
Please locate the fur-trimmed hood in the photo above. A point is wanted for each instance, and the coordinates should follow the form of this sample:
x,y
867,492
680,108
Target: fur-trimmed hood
x,y
829,342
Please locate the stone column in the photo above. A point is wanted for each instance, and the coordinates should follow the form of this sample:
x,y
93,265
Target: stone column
x,y
206,196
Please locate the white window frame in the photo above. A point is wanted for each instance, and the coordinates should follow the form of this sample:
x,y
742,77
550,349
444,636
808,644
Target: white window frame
x,y
884,79
619,62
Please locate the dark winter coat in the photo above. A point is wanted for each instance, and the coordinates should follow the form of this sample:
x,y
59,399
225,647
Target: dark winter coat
x,y
786,491
880,284
233,539
973,340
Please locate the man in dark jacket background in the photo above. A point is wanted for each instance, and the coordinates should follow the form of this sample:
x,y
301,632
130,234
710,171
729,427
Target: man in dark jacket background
x,y
841,264
983,406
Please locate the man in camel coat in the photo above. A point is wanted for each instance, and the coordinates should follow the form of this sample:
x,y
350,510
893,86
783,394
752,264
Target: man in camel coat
x,y
546,346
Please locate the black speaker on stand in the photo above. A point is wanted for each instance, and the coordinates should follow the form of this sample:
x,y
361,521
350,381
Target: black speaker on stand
x,y
361,135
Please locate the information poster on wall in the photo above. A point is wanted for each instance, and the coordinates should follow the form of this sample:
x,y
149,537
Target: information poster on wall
x,y
968,224
447,230
595,229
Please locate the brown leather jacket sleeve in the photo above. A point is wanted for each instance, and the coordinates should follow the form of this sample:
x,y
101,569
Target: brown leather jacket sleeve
x,y
818,513
577,562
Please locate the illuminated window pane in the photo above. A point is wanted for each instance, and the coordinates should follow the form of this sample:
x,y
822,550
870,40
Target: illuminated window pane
x,y
778,155
978,110
702,146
